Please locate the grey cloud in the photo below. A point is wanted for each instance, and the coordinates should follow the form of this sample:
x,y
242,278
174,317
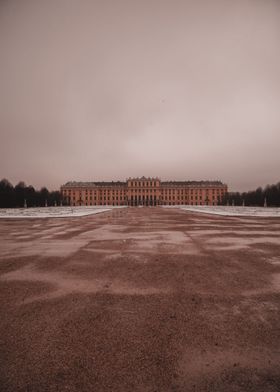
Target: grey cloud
x,y
112,89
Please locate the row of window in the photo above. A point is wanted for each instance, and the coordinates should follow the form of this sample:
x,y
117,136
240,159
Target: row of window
x,y
117,204
185,190
144,197
93,192
143,191
143,183
103,198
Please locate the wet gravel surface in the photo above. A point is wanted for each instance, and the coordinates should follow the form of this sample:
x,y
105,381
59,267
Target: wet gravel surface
x,y
140,299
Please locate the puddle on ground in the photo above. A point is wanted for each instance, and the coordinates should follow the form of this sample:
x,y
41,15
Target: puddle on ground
x,y
64,284
240,242
276,281
198,363
274,260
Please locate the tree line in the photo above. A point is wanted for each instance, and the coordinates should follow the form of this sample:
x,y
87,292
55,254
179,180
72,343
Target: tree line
x,y
270,196
22,195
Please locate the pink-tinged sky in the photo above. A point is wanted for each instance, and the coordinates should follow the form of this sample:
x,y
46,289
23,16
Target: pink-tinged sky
x,y
93,90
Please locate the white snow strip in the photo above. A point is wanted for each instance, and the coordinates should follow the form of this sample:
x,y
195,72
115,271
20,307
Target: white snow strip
x,y
232,211
53,212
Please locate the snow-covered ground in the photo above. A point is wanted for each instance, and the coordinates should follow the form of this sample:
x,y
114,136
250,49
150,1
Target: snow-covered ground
x,y
232,211
53,212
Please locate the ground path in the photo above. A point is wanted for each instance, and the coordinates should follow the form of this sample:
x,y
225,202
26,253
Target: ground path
x,y
140,299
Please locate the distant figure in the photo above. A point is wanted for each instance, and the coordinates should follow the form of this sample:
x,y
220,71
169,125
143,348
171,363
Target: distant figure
x,y
46,203
25,204
265,202
243,203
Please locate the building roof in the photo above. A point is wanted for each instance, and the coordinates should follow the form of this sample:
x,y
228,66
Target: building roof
x,y
91,183
143,178
197,183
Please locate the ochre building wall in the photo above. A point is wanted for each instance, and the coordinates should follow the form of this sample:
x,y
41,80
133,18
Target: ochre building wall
x,y
143,191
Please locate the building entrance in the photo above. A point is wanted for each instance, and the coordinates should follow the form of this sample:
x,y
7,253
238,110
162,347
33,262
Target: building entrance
x,y
143,192
145,202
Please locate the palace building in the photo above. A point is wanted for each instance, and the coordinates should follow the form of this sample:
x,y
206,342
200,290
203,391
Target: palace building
x,y
143,192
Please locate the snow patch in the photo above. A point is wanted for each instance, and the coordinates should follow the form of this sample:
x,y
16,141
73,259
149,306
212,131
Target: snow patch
x,y
231,210
54,212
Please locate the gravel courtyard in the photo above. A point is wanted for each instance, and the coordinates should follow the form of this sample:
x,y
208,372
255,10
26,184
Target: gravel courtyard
x,y
140,299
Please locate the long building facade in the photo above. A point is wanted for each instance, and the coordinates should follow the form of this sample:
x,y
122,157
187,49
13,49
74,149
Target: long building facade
x,y
143,192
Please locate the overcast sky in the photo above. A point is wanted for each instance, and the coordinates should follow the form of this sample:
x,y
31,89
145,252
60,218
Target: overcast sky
x,y
104,90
